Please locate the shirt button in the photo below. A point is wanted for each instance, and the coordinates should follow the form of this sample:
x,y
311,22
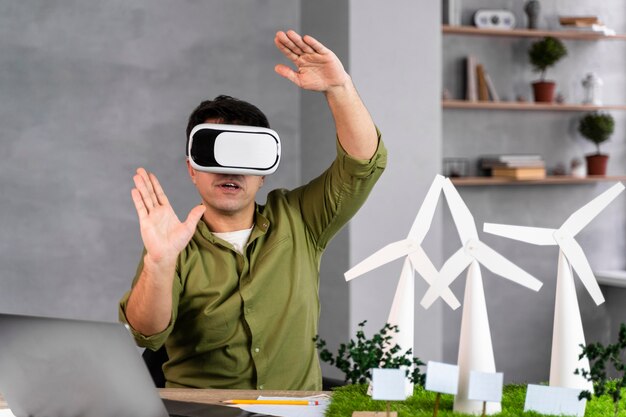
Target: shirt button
x,y
257,350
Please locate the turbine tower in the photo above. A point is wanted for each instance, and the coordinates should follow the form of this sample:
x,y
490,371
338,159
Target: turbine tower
x,y
475,347
402,312
568,332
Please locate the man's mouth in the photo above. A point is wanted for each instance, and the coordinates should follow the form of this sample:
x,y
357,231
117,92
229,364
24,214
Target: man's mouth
x,y
230,186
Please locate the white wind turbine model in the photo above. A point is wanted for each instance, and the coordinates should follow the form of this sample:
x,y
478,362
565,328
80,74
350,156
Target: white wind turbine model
x,y
475,347
568,332
403,307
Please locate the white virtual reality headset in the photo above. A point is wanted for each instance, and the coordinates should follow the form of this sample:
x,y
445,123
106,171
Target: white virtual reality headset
x,y
233,149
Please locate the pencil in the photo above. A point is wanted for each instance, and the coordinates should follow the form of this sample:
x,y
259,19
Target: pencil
x,y
273,402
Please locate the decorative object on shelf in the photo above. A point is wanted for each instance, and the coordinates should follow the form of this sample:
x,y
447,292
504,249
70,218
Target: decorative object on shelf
x,y
577,168
532,9
494,19
451,12
544,54
593,89
445,94
598,128
455,167
559,169
560,98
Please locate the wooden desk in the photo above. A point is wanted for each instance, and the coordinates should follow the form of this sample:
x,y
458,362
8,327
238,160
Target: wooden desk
x,y
215,396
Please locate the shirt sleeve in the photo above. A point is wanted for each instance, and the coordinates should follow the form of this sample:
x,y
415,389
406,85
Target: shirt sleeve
x,y
155,341
329,201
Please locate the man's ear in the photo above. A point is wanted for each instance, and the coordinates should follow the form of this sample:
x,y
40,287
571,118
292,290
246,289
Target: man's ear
x,y
192,172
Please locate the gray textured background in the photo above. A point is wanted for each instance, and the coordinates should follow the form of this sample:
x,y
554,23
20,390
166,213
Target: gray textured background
x,y
91,91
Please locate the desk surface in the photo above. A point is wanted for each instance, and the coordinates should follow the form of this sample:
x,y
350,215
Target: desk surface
x,y
215,396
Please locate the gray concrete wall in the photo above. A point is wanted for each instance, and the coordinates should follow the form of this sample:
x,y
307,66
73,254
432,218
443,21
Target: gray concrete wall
x,y
395,59
521,321
327,21
93,90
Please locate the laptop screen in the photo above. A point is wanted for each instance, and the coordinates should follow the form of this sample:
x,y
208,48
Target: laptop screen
x,y
62,368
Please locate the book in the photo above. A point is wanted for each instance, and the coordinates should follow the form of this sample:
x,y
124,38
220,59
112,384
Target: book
x,y
492,89
527,173
511,160
579,20
471,94
483,90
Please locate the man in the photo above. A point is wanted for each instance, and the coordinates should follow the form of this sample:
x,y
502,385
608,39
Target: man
x,y
232,291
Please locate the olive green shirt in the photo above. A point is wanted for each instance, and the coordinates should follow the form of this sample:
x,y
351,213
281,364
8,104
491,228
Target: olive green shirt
x,y
248,321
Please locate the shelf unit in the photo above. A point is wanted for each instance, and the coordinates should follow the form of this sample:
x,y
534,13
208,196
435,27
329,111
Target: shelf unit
x,y
526,106
550,180
529,106
529,33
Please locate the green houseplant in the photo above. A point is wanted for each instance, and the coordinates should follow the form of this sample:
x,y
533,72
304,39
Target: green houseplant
x,y
357,358
598,128
599,355
543,54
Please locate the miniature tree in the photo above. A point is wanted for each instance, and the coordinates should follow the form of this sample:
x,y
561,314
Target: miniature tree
x,y
599,355
357,358
545,53
597,127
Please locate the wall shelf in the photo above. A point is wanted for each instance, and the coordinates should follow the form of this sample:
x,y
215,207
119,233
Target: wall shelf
x,y
530,33
526,106
550,180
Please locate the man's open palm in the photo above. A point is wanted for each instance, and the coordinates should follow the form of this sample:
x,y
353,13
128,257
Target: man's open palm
x,y
163,234
318,68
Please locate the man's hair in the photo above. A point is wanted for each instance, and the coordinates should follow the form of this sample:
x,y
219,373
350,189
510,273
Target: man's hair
x,y
228,110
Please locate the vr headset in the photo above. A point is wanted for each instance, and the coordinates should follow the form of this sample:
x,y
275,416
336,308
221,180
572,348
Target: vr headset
x,y
233,149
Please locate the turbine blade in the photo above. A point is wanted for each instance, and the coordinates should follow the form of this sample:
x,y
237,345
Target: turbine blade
x,y
533,235
422,264
577,259
451,269
383,256
499,265
581,217
463,218
424,217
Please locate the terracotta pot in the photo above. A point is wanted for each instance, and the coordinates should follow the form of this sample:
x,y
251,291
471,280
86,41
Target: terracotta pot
x,y
596,164
544,91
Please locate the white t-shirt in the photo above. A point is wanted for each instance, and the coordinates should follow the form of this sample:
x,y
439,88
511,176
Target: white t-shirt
x,y
238,238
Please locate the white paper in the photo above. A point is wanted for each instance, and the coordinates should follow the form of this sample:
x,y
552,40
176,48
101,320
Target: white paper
x,y
485,386
287,410
5,412
442,377
388,384
554,400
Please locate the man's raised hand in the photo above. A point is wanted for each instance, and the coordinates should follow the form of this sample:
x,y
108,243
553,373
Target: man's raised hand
x,y
318,68
163,234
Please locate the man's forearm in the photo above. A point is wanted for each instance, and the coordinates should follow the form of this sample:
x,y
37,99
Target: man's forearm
x,y
355,127
149,307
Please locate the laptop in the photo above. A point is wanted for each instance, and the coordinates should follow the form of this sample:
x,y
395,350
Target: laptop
x,y
52,367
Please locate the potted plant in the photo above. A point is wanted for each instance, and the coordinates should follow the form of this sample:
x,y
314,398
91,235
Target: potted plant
x,y
544,54
596,127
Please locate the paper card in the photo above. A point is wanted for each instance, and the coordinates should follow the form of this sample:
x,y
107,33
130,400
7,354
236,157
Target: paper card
x,y
485,386
442,377
388,384
554,400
